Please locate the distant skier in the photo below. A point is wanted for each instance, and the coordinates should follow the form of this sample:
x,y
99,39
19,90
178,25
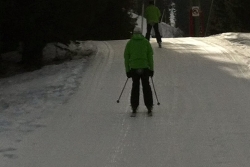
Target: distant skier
x,y
139,64
152,15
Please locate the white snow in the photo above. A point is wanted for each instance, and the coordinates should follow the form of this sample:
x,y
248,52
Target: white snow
x,y
33,96
28,97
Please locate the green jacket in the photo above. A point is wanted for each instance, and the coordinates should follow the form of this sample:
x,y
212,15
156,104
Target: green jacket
x,y
138,53
152,14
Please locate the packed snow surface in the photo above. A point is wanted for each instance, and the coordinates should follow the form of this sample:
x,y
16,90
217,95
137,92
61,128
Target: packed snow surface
x,y
66,114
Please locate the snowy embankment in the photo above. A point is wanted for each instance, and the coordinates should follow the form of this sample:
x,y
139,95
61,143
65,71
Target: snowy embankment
x,y
240,43
26,97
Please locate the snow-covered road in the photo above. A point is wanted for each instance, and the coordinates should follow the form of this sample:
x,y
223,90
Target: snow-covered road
x,y
203,120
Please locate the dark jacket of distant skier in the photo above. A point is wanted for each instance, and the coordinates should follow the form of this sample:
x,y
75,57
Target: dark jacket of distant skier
x,y
139,64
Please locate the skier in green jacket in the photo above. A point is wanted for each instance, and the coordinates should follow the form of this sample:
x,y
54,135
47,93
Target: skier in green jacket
x,y
139,64
152,15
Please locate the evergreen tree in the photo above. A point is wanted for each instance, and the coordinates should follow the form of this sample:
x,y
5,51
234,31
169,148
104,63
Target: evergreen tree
x,y
233,9
205,7
114,22
219,21
172,11
166,13
238,12
230,16
244,15
182,15
37,22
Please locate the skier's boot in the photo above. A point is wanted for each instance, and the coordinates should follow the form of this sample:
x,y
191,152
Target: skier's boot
x,y
133,114
159,44
150,114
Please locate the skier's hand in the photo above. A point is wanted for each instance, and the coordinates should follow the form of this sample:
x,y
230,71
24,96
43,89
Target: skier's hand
x,y
151,73
129,75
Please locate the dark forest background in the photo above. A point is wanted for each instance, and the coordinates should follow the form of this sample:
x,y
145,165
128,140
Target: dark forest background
x,y
37,22
34,23
219,15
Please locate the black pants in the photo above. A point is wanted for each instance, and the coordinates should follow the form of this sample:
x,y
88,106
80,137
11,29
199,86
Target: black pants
x,y
137,75
157,33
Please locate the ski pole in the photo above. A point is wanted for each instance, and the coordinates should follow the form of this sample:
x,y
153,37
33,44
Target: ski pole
x,y
155,91
122,91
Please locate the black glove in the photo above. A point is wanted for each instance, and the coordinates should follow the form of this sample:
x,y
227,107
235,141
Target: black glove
x,y
150,73
129,74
